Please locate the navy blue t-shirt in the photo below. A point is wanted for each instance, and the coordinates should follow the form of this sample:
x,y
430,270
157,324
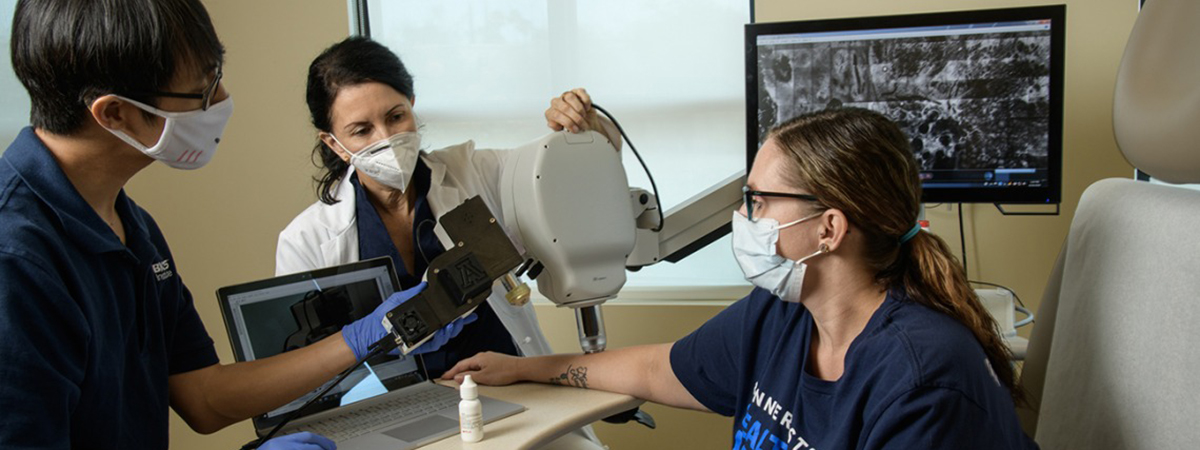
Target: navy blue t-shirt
x,y
913,379
486,333
90,328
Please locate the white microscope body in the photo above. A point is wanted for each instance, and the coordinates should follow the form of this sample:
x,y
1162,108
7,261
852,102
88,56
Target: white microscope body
x,y
568,206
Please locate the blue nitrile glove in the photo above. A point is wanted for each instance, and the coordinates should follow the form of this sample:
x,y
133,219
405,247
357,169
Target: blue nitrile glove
x,y
299,441
366,331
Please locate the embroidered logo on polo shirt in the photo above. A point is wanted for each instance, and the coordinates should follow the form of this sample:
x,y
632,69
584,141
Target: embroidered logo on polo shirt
x,y
162,269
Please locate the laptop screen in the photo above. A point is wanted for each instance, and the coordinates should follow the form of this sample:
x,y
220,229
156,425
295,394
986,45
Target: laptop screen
x,y
268,317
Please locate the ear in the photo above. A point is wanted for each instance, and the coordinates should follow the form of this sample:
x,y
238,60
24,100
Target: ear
x,y
833,228
109,113
328,140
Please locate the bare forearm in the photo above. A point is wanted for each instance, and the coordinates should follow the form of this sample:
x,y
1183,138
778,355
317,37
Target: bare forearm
x,y
218,396
642,371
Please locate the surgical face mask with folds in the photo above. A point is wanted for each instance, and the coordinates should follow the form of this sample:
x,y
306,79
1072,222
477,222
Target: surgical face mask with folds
x,y
754,247
189,139
389,161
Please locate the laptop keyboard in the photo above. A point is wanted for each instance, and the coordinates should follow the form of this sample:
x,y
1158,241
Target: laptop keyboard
x,y
367,420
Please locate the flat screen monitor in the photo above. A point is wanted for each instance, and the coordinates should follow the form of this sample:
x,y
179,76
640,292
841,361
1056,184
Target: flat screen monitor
x,y
978,93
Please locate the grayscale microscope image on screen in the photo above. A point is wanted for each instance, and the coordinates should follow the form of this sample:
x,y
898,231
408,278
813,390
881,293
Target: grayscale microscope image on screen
x,y
946,92
974,99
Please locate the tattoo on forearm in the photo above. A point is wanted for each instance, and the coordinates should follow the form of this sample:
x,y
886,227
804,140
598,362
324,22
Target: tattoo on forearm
x,y
573,376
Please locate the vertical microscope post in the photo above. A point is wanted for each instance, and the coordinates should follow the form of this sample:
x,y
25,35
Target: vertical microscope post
x,y
590,321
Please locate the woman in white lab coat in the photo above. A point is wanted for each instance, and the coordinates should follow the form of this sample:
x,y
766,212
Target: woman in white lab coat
x,y
361,97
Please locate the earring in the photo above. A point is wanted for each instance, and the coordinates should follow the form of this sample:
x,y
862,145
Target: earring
x,y
823,248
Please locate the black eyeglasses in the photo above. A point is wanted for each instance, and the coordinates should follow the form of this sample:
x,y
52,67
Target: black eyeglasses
x,y
206,96
749,199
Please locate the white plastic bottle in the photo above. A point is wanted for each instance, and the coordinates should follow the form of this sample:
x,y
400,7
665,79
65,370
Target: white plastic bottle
x,y
470,412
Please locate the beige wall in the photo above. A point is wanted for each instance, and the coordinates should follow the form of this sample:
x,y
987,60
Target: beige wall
x,y
222,221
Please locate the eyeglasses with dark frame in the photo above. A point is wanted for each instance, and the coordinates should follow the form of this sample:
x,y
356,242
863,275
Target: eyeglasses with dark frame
x,y
206,96
750,194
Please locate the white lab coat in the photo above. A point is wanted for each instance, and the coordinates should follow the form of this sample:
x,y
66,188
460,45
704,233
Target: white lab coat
x,y
327,235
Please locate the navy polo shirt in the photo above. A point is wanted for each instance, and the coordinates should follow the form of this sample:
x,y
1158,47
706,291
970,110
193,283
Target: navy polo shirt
x,y
486,333
913,379
90,328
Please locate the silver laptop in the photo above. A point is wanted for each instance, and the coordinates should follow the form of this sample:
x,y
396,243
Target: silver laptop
x,y
390,403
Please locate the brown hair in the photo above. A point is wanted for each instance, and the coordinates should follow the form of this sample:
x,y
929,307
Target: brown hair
x,y
866,170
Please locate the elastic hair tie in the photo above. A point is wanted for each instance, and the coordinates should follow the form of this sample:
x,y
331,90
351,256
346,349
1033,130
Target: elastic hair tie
x,y
909,235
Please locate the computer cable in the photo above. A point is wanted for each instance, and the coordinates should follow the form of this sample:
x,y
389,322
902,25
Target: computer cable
x,y
382,346
1021,308
657,199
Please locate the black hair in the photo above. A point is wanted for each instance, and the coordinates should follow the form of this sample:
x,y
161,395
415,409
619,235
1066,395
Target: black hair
x,y
67,53
353,61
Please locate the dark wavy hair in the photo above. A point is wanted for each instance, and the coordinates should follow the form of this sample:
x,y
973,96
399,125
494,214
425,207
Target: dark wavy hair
x,y
354,61
67,53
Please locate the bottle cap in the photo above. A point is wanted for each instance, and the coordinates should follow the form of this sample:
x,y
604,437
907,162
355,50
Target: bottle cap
x,y
468,390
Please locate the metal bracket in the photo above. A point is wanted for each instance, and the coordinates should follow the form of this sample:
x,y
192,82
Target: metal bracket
x,y
1027,213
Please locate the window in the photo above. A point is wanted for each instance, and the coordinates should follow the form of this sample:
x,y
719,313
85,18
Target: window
x,y
671,71
15,114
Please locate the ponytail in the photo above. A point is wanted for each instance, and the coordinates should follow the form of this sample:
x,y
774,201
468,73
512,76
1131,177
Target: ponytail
x,y
933,277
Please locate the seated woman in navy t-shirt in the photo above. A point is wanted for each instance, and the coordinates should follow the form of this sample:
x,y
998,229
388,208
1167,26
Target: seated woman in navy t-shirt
x,y
862,331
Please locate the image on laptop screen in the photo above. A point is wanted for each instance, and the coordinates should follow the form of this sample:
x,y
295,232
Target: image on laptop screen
x,y
268,317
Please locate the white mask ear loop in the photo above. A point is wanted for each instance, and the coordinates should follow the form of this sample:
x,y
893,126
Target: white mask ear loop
x,y
820,249
339,143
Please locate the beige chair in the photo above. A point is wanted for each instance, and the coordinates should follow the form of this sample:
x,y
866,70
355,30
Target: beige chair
x,y
1114,359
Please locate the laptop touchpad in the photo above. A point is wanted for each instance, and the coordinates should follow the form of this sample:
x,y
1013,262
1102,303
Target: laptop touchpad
x,y
421,429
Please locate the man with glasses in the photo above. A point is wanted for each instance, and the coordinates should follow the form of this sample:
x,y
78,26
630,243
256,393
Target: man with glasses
x,y
206,96
98,334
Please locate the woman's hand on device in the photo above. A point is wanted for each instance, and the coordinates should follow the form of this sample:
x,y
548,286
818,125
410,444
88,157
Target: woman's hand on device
x,y
571,111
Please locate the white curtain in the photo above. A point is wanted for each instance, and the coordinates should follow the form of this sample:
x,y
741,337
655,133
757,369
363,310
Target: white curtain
x,y
670,71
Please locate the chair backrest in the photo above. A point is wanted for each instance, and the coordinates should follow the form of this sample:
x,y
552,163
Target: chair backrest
x,y
1156,103
1114,359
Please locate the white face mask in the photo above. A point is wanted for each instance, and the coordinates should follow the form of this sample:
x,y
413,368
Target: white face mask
x,y
189,139
390,161
754,247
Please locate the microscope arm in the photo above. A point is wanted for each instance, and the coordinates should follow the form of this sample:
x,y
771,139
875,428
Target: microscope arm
x,y
690,226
